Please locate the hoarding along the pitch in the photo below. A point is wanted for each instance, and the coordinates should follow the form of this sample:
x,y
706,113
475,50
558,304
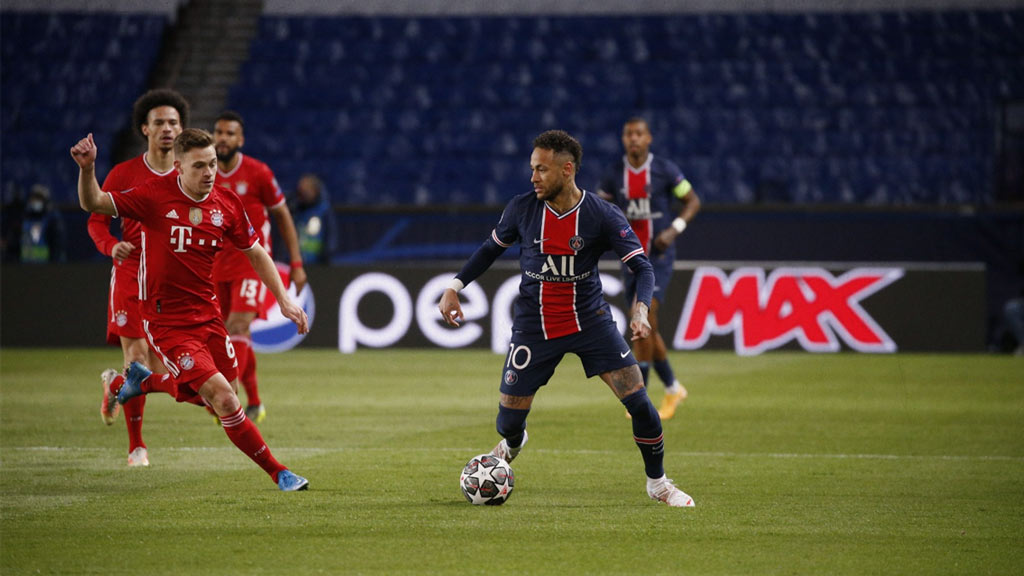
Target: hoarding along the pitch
x,y
746,307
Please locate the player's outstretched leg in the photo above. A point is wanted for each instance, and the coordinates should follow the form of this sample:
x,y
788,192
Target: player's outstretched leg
x,y
647,433
109,408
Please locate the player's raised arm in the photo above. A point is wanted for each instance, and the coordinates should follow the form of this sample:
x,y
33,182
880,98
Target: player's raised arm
x,y
267,271
90,197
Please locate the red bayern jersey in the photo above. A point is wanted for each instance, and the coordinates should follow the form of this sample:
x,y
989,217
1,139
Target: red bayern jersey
x,y
254,183
121,177
180,239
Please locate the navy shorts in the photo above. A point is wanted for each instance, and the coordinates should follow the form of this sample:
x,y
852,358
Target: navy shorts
x,y
662,275
531,361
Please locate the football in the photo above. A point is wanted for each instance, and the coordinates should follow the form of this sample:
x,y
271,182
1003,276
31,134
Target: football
x,y
487,479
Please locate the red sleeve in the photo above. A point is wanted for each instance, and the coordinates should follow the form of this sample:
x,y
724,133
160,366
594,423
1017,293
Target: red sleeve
x,y
272,195
241,233
135,202
99,231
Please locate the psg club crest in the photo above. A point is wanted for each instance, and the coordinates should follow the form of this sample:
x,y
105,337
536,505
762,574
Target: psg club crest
x,y
121,317
217,217
511,377
186,361
576,243
195,215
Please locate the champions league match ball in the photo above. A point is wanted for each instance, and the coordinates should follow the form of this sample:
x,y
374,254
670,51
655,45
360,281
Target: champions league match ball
x,y
487,479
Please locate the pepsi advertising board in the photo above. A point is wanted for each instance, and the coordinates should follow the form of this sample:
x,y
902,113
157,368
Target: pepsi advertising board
x,y
748,308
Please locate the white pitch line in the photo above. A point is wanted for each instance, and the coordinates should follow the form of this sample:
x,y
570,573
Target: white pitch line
x,y
751,455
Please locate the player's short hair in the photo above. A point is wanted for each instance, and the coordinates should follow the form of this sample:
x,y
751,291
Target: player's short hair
x,y
155,99
231,116
190,139
559,141
638,120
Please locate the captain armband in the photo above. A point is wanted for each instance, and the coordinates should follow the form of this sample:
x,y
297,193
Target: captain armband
x,y
682,189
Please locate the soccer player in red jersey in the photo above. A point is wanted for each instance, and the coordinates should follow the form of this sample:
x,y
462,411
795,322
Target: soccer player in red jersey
x,y
186,219
239,289
159,116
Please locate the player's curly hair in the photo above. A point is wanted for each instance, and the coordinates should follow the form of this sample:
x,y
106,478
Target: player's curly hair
x,y
559,141
155,99
190,139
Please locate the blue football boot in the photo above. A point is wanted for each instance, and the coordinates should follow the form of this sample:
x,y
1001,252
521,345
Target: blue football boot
x,y
132,386
288,481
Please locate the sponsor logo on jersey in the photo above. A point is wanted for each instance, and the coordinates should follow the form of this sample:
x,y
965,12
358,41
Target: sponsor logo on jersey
x,y
764,312
195,215
172,214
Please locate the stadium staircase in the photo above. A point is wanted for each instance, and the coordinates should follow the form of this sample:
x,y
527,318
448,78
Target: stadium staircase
x,y
201,56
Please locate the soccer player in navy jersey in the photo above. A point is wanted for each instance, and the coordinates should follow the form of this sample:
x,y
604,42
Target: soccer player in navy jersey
x,y
648,188
562,231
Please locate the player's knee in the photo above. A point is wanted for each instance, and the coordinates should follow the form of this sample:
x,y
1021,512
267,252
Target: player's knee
x,y
511,421
220,396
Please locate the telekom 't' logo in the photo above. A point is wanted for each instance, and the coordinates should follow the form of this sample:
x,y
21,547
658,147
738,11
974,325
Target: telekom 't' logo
x,y
809,305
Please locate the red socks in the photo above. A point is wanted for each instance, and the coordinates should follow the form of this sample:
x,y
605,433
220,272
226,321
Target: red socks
x,y
246,369
246,436
159,383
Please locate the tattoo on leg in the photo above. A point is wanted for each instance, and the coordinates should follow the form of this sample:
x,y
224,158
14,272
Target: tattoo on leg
x,y
516,402
624,381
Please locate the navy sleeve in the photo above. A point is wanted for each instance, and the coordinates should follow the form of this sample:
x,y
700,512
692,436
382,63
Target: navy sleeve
x,y
503,235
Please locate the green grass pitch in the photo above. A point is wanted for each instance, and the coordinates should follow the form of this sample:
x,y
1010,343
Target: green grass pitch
x,y
798,463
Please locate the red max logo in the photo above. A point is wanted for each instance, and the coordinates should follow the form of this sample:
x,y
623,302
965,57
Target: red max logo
x,y
809,305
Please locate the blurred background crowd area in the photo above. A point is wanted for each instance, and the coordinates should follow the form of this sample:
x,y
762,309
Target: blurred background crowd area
x,y
428,109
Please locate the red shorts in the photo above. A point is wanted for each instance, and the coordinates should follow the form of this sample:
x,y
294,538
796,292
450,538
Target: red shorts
x,y
193,354
123,317
243,294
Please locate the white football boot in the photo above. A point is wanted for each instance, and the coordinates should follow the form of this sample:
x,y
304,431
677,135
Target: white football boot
x,y
138,457
663,490
507,454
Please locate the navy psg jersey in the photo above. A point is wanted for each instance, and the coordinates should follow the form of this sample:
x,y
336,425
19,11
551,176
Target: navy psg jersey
x,y
560,292
645,194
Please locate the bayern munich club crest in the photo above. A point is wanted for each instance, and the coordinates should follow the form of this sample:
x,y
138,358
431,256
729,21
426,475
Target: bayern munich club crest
x,y
511,377
217,218
576,243
121,317
186,361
